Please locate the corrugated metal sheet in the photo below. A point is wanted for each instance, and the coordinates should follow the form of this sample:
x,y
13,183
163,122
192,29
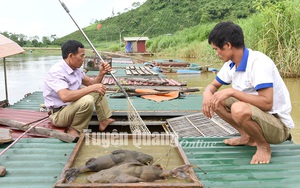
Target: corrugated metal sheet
x,y
135,38
27,110
38,163
34,162
228,166
26,117
31,101
185,104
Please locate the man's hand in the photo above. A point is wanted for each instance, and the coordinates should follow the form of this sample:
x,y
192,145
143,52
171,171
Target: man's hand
x,y
208,93
220,96
206,106
99,88
212,102
104,67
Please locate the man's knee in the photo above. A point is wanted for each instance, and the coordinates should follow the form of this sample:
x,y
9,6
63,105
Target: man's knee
x,y
240,111
229,102
225,105
87,101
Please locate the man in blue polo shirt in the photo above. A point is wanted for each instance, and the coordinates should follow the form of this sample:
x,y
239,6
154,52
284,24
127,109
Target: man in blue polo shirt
x,y
258,104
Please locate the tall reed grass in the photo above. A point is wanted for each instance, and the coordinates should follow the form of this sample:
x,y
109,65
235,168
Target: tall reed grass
x,y
275,31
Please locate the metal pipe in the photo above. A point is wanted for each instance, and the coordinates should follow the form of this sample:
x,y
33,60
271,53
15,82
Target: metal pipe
x,y
117,82
121,38
5,80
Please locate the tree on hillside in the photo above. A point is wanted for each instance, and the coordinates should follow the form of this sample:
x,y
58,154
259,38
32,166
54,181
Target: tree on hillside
x,y
46,40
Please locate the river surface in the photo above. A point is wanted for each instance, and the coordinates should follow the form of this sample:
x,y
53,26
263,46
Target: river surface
x,y
26,72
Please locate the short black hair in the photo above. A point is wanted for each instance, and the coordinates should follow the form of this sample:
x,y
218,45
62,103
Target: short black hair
x,y
70,46
227,31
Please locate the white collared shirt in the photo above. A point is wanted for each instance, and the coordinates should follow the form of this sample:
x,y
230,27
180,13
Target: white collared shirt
x,y
60,76
257,71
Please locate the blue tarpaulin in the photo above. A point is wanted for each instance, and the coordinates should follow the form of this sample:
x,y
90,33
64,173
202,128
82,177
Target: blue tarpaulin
x,y
128,47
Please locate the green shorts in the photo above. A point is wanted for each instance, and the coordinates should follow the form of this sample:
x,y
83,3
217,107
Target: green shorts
x,y
274,130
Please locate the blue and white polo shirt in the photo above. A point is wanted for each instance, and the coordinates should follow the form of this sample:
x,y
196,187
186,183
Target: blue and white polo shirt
x,y
257,71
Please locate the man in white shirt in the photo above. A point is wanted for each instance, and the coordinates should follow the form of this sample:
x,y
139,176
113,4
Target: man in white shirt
x,y
258,104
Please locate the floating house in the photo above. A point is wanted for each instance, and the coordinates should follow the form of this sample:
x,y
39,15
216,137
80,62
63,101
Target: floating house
x,y
135,44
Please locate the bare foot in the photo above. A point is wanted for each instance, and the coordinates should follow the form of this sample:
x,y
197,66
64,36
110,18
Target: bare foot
x,y
72,132
262,155
103,124
240,141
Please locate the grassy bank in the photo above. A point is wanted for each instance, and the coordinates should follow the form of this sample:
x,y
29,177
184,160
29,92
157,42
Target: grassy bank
x,y
42,50
49,51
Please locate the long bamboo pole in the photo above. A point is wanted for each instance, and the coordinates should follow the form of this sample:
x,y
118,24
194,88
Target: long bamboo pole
x,y
92,46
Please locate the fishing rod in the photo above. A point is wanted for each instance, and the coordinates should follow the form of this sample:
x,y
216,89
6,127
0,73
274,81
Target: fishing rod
x,y
117,82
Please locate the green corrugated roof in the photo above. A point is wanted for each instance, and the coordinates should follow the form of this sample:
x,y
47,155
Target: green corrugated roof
x,y
185,103
38,162
228,166
34,162
189,103
30,102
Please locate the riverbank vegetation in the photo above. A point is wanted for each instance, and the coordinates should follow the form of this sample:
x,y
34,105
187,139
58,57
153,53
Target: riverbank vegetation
x,y
179,28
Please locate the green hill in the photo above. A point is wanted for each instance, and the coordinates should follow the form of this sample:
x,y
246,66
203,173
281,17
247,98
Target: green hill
x,y
159,17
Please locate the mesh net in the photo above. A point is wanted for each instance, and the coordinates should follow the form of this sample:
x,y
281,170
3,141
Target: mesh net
x,y
137,125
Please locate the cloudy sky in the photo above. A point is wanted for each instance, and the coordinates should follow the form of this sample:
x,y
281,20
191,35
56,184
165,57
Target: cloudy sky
x,y
47,17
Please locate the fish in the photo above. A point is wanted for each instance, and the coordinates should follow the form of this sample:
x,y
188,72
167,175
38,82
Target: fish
x,y
133,172
116,157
